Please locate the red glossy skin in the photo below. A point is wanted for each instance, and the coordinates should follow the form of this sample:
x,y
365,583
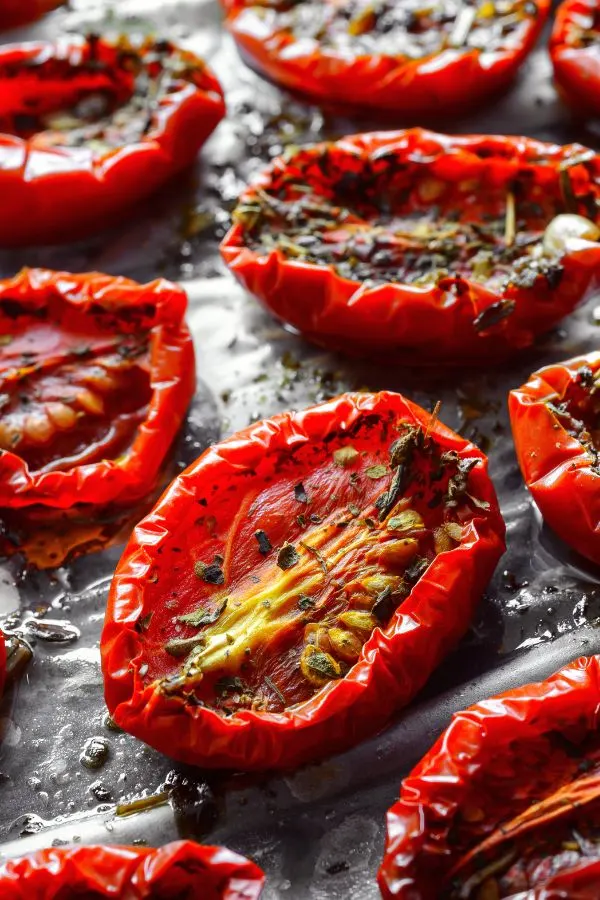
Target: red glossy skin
x,y
39,183
576,67
49,315
177,870
492,763
557,468
19,12
248,472
445,83
410,324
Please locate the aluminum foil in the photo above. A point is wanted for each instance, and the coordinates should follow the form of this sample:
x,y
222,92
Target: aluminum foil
x,y
317,832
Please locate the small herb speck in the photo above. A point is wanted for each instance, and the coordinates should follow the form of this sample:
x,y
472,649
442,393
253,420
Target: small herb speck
x,y
264,544
287,557
300,493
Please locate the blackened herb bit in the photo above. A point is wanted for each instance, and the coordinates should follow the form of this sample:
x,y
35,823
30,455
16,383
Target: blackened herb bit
x,y
264,544
300,493
384,605
211,574
416,569
457,484
495,313
585,376
287,557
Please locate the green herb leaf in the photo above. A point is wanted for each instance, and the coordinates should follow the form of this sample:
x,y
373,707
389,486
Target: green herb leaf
x,y
376,472
322,665
354,510
202,616
345,456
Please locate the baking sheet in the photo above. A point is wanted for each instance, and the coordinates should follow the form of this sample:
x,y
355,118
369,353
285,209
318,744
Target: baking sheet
x,y
317,832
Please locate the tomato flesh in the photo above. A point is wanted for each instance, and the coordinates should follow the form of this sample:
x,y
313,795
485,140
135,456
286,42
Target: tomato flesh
x,y
309,569
380,224
103,100
74,406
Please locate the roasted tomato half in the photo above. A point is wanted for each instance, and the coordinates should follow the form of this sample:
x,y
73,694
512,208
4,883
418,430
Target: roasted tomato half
x,y
575,53
174,872
20,12
91,127
299,583
507,802
556,428
414,58
96,374
425,248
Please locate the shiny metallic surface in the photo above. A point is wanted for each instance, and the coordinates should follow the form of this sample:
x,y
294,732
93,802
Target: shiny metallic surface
x,y
317,832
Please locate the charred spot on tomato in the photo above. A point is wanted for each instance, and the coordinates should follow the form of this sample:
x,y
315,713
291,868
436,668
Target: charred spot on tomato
x,y
393,216
79,401
102,97
283,625
578,411
410,31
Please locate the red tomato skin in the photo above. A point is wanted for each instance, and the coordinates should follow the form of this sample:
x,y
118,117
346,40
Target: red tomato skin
x,y
131,873
395,661
555,465
485,742
412,88
21,12
172,378
39,186
424,326
576,69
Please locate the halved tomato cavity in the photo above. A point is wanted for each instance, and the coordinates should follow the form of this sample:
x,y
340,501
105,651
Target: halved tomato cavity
x,y
554,835
392,219
322,548
101,96
578,410
411,30
71,398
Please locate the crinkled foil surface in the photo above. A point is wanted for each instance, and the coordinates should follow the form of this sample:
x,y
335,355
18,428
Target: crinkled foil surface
x,y
317,832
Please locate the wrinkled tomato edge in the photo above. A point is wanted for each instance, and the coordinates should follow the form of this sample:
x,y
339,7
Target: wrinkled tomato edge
x,y
122,872
454,773
555,465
